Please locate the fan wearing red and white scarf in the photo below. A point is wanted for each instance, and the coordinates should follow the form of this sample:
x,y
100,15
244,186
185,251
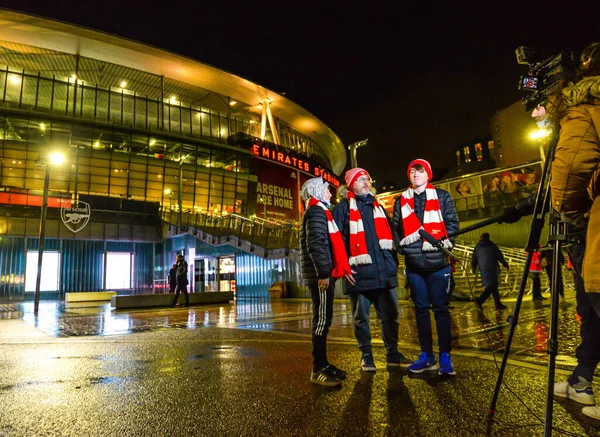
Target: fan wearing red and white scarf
x,y
433,222
338,251
358,243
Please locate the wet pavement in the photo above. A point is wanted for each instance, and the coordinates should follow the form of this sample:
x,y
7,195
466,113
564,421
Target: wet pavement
x,y
243,369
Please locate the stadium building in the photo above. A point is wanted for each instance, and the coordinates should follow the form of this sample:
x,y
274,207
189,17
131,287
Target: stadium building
x,y
160,155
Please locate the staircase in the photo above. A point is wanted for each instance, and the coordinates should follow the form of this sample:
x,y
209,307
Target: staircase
x,y
509,280
264,238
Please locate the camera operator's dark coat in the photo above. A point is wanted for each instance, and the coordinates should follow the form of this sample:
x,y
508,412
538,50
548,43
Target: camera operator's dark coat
x,y
486,256
575,183
315,252
382,272
416,260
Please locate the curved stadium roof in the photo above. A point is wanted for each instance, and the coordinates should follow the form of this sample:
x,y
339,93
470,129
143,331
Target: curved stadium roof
x,y
60,37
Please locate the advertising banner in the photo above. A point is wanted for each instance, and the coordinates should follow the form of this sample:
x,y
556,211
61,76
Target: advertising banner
x,y
277,196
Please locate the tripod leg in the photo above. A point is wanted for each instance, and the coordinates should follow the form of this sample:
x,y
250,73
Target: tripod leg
x,y
557,234
513,320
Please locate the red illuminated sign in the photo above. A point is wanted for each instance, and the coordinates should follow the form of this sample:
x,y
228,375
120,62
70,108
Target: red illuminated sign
x,y
294,162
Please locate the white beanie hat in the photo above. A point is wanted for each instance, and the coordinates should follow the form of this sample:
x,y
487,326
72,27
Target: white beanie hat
x,y
314,187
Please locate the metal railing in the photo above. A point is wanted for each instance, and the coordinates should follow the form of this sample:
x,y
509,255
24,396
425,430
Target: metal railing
x,y
258,232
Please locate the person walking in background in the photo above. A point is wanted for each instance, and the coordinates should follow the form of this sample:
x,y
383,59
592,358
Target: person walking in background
x,y
423,206
181,275
324,260
172,278
368,238
486,257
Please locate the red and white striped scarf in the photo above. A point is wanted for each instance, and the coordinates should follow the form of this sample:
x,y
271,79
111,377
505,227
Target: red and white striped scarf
x,y
358,244
338,251
433,222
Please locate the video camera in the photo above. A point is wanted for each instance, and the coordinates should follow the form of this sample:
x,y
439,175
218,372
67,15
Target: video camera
x,y
545,74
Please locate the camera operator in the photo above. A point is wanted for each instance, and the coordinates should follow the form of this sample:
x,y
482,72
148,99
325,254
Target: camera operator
x,y
575,187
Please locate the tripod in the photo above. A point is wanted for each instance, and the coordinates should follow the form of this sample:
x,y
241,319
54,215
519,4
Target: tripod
x,y
557,237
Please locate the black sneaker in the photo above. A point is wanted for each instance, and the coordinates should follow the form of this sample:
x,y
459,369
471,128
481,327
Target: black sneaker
x,y
500,306
325,377
338,373
367,364
398,359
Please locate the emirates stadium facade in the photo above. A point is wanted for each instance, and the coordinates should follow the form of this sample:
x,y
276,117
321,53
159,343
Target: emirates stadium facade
x,y
162,155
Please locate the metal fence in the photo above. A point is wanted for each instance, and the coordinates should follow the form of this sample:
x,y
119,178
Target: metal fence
x,y
256,231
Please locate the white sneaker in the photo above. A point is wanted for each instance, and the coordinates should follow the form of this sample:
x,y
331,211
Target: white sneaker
x,y
581,392
593,412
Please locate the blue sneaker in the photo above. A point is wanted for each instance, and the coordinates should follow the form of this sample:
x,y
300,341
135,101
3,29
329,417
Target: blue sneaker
x,y
446,367
423,363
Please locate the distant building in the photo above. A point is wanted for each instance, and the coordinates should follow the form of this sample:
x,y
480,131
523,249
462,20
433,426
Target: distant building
x,y
472,157
511,128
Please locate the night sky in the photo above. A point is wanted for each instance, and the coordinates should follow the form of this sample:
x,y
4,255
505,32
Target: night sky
x,y
415,78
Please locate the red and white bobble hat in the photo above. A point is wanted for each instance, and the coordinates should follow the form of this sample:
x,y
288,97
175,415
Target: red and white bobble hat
x,y
353,174
426,165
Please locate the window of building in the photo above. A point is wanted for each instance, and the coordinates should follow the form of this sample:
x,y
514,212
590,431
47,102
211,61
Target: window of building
x,y
479,152
467,154
457,157
119,270
50,271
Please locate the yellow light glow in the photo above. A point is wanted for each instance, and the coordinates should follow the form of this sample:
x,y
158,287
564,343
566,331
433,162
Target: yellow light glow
x,y
152,142
42,127
538,134
57,158
123,84
233,102
97,144
173,100
15,80
167,191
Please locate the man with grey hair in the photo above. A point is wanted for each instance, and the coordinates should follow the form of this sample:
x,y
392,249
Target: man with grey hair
x,y
368,239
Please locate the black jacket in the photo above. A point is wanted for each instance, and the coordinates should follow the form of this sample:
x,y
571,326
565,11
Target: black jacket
x,y
173,276
381,273
486,256
314,246
182,273
415,259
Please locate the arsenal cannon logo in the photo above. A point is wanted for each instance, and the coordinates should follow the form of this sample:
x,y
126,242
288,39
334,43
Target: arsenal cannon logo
x,y
77,216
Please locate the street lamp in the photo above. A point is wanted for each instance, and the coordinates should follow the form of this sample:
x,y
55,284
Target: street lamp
x,y
541,135
169,193
352,147
55,158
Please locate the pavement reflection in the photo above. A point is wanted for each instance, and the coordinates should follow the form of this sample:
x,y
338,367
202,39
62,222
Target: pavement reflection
x,y
473,330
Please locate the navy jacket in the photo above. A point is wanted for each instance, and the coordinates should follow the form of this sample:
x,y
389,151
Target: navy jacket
x,y
382,272
315,253
415,259
486,256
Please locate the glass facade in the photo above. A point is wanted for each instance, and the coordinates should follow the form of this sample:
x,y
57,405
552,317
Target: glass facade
x,y
129,138
123,163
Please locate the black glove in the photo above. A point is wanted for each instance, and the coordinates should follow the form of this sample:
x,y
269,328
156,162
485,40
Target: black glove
x,y
511,215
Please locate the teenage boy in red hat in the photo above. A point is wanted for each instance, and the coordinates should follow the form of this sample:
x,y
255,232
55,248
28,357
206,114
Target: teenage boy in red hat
x,y
367,235
423,206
